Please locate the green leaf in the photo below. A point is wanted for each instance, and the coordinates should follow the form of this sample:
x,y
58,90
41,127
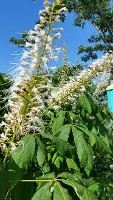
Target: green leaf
x,y
60,193
63,147
92,140
94,187
82,192
54,157
84,151
70,176
72,165
23,154
3,183
57,162
84,129
58,123
105,139
85,103
44,193
99,116
71,117
42,156
102,145
57,159
64,132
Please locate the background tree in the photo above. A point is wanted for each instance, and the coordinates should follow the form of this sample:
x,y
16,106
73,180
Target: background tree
x,y
100,14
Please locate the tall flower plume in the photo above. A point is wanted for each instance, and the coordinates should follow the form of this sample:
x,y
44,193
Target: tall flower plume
x,y
31,83
73,86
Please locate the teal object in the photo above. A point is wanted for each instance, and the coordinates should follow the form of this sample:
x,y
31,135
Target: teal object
x,y
110,99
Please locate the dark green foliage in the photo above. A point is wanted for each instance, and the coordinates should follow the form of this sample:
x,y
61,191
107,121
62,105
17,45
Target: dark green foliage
x,y
69,160
3,183
24,190
72,157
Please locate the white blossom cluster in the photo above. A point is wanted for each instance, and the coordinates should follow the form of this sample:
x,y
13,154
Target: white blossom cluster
x,y
102,83
26,95
77,83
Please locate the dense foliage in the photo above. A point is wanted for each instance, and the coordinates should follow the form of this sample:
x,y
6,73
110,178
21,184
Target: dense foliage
x,y
70,159
56,135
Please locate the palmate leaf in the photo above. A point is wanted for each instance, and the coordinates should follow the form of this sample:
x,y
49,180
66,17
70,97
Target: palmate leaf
x,y
3,183
44,193
23,154
60,193
84,151
82,192
64,132
58,122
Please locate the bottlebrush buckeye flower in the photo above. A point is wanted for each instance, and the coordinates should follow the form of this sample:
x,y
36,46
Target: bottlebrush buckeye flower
x,y
74,85
27,94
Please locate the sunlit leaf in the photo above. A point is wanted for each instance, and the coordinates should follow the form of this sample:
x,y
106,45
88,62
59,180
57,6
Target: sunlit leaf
x,y
24,153
64,132
82,192
43,193
72,165
58,122
84,151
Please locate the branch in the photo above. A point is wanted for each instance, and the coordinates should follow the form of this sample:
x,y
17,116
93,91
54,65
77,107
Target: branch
x,y
110,28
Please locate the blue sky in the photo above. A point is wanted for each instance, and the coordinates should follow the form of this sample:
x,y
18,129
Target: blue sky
x,y
21,15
